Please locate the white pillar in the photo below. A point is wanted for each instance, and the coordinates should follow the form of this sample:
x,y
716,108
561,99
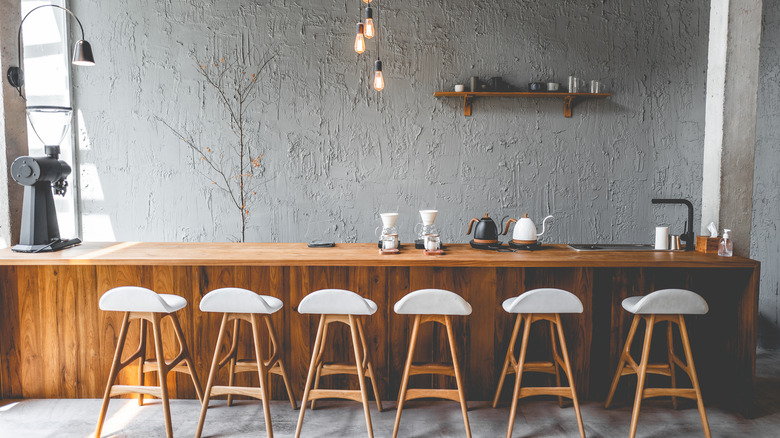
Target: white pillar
x,y
13,126
730,118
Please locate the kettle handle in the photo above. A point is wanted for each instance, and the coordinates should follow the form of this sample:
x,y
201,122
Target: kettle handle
x,y
471,222
506,229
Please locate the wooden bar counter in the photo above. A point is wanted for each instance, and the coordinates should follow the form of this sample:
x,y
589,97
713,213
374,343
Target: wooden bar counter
x,y
55,342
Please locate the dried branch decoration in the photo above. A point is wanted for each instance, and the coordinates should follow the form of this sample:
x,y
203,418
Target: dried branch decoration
x,y
233,168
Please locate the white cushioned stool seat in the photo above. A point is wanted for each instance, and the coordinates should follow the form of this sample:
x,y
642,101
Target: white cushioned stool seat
x,y
667,302
336,302
140,299
432,302
544,300
238,300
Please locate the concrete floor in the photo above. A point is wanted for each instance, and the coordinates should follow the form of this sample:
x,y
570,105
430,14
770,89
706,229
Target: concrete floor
x,y
535,418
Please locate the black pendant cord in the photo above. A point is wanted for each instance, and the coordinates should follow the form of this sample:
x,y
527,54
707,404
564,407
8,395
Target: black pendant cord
x,y
378,30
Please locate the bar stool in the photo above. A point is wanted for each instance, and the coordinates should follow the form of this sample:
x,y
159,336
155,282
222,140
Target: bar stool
x,y
338,305
432,305
544,304
238,305
662,305
148,307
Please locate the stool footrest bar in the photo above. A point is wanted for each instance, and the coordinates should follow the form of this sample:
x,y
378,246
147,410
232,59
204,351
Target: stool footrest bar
x,y
432,368
449,394
348,394
677,392
561,391
237,390
154,391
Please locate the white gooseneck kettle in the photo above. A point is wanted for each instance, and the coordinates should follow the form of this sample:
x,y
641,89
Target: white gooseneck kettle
x,y
525,230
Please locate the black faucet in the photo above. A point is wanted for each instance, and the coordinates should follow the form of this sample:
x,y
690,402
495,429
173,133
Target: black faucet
x,y
687,236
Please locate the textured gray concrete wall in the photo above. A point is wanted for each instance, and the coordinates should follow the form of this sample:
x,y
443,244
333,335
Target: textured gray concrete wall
x,y
13,129
335,150
766,189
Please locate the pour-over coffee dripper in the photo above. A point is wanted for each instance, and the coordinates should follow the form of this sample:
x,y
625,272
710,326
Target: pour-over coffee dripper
x,y
424,228
388,229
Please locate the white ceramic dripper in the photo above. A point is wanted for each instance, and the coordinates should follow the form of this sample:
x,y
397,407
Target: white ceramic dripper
x,y
388,219
389,233
428,216
426,227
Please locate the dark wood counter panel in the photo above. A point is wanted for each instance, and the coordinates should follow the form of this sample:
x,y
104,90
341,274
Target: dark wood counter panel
x,y
55,341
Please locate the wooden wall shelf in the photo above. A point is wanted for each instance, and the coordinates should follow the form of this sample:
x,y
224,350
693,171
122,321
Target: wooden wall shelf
x,y
569,99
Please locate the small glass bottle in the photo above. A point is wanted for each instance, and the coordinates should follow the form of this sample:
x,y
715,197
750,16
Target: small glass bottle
x,y
726,246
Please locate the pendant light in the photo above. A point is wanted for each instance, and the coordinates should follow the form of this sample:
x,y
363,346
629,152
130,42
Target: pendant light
x,y
379,80
360,42
369,28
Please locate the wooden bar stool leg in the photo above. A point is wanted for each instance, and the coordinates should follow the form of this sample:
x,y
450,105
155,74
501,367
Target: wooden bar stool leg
x,y
310,375
187,357
405,379
280,361
369,364
162,373
519,374
320,362
212,374
458,380
569,375
120,345
141,359
262,374
510,353
555,361
233,358
642,373
694,379
622,361
670,354
361,373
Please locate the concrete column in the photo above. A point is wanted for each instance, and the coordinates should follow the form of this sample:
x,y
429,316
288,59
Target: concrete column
x,y
13,126
730,118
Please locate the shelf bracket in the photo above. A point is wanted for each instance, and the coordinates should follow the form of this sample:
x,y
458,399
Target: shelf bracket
x,y
568,105
467,105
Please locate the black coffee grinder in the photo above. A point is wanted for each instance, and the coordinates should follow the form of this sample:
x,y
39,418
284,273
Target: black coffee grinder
x,y
41,176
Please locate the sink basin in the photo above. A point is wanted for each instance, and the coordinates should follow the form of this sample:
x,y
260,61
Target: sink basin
x,y
612,247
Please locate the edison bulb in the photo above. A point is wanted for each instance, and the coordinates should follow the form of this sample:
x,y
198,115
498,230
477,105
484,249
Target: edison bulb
x,y
366,1
369,29
379,81
360,42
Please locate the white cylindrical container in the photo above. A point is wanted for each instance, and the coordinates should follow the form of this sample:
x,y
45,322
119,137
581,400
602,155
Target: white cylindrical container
x,y
661,237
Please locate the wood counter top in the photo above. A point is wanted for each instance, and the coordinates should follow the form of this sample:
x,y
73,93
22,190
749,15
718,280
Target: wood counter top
x,y
356,254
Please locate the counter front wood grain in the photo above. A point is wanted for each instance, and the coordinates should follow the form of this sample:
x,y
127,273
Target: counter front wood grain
x,y
55,341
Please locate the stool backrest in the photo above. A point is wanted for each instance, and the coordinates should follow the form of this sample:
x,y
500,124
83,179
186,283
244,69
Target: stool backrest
x,y
432,302
336,302
134,299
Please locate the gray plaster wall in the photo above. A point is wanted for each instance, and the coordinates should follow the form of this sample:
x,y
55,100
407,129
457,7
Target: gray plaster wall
x,y
337,151
765,241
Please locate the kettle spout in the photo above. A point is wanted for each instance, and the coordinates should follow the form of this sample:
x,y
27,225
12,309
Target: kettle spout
x,y
471,222
543,224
